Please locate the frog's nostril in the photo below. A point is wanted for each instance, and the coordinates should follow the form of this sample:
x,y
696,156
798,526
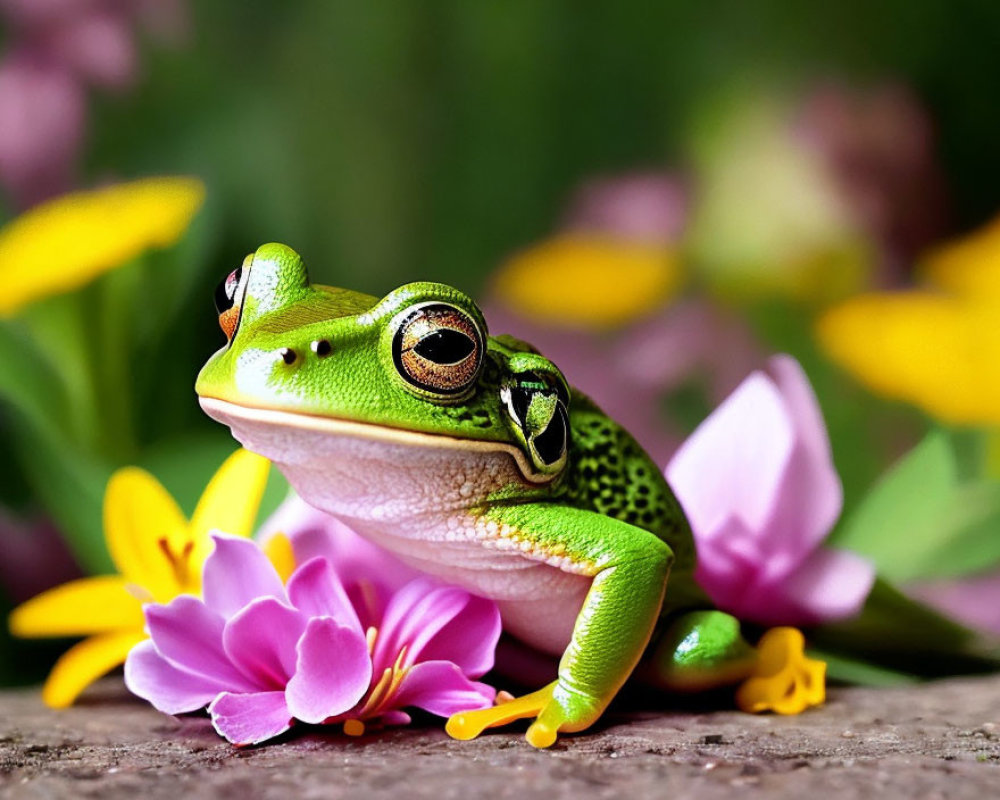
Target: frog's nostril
x,y
322,348
288,355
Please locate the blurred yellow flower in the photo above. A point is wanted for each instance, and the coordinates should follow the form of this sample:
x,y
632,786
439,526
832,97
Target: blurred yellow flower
x,y
936,347
970,266
159,554
589,281
65,243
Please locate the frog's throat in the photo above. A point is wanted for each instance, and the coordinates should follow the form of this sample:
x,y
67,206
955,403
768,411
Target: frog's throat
x,y
223,411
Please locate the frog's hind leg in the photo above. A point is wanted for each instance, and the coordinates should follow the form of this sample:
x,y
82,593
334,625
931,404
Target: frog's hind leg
x,y
701,650
698,651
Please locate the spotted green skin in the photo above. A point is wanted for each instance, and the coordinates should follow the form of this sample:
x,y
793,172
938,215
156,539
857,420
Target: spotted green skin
x,y
608,510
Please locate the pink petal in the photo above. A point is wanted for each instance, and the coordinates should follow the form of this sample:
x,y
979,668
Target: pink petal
x,y
830,585
729,565
466,636
973,600
421,611
236,573
440,688
189,635
246,719
170,689
316,591
803,408
332,674
643,206
261,640
395,718
734,462
810,497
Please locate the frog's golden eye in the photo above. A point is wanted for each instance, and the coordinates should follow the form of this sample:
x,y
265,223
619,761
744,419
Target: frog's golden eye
x,y
438,348
229,300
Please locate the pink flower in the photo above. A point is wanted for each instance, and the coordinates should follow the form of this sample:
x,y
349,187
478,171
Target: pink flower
x,y
262,656
973,600
640,206
758,484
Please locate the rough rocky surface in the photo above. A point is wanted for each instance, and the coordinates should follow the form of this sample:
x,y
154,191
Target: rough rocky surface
x,y
938,740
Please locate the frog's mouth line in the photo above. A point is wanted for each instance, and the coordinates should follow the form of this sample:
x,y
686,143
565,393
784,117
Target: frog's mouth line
x,y
223,410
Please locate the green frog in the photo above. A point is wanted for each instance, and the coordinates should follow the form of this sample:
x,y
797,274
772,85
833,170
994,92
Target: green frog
x,y
471,458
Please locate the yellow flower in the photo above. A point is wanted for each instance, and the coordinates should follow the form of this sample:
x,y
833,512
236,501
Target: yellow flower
x,y
588,281
64,244
936,347
159,555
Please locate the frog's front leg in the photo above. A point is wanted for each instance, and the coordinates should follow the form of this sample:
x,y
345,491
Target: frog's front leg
x,y
629,568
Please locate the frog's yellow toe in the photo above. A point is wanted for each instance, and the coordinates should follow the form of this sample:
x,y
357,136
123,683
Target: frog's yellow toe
x,y
784,680
469,724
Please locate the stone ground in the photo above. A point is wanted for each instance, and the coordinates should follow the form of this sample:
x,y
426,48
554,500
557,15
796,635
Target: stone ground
x,y
939,740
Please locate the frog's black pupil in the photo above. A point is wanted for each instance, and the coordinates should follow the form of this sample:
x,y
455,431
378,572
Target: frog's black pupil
x,y
225,292
520,399
551,442
445,346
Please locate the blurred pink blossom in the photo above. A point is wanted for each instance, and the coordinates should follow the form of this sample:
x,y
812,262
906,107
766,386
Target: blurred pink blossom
x,y
42,118
261,655
879,147
35,557
759,487
648,207
56,50
972,600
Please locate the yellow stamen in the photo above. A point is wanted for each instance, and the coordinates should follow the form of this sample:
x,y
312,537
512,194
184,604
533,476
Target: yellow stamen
x,y
180,563
354,727
370,636
376,694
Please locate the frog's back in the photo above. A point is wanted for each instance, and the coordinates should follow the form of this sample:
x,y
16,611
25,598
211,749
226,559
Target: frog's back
x,y
608,472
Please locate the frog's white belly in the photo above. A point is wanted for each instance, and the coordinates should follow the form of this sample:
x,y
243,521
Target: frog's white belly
x,y
409,492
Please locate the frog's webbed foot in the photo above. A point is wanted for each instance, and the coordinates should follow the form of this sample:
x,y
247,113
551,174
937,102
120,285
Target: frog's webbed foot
x,y
540,705
784,680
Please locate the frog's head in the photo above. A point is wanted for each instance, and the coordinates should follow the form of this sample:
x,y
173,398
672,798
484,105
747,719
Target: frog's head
x,y
418,361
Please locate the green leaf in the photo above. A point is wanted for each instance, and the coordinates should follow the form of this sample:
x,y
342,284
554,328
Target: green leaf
x,y
844,669
167,277
70,485
184,465
900,634
27,381
919,522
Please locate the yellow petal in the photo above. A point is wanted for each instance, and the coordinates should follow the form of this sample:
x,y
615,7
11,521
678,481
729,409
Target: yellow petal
x,y
784,680
969,266
139,517
63,244
938,352
229,502
588,281
78,608
278,549
84,663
